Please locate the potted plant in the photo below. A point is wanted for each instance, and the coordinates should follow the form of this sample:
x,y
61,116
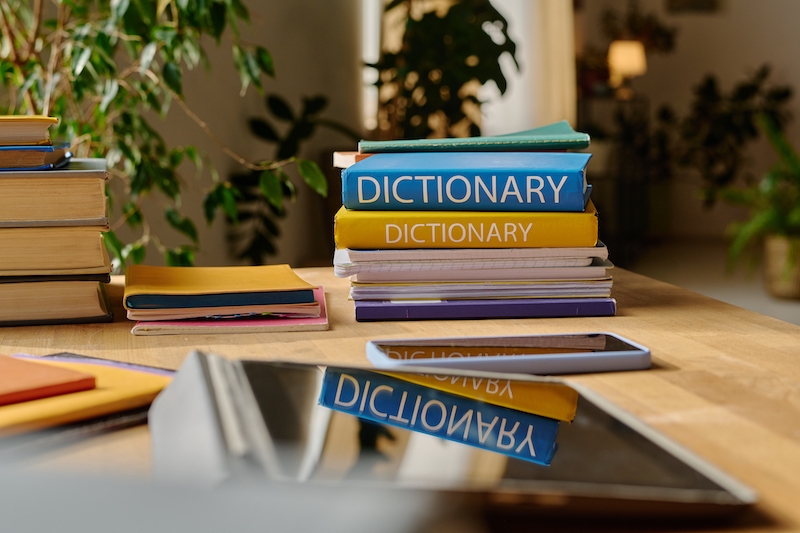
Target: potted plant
x,y
774,203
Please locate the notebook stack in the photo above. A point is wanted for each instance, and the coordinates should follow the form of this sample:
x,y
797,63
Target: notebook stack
x,y
485,227
53,264
211,300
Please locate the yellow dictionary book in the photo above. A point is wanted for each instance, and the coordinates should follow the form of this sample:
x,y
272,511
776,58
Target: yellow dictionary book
x,y
22,130
154,287
552,400
464,229
117,389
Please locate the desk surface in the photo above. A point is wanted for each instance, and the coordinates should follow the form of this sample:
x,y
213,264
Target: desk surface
x,y
725,381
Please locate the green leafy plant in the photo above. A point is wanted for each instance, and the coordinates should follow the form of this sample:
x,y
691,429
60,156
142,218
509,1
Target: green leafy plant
x,y
773,200
260,194
425,86
99,66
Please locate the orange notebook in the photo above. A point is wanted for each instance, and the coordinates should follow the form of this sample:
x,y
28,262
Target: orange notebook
x,y
21,380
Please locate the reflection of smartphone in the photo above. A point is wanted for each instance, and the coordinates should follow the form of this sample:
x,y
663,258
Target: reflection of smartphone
x,y
532,354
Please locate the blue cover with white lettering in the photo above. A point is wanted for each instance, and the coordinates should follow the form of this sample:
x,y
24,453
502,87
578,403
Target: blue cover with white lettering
x,y
406,405
467,181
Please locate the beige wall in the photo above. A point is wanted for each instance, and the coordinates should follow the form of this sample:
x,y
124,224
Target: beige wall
x,y
316,48
730,43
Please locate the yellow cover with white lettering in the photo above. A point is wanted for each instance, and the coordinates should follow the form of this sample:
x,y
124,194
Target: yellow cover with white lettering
x,y
464,229
552,400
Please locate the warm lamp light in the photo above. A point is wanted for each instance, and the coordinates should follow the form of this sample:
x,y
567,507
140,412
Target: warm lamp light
x,y
626,59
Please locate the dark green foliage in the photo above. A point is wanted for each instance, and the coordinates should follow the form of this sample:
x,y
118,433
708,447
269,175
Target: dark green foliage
x,y
260,194
638,26
422,85
97,66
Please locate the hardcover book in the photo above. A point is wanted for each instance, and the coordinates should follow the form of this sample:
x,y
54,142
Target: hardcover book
x,y
464,229
53,251
468,181
348,256
154,287
72,196
385,310
492,290
53,302
557,136
38,157
25,129
394,402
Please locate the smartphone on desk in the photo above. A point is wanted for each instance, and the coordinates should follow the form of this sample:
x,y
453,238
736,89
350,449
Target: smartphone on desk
x,y
570,353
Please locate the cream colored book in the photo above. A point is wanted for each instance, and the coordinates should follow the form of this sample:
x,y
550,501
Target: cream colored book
x,y
53,302
25,129
73,196
53,251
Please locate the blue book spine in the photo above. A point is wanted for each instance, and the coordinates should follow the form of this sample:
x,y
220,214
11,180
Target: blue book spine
x,y
465,181
398,403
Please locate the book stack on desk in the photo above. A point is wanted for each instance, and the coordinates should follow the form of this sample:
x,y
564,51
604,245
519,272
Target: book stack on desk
x,y
485,227
52,217
211,300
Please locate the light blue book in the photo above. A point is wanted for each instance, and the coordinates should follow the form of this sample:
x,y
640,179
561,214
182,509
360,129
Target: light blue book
x,y
468,181
388,400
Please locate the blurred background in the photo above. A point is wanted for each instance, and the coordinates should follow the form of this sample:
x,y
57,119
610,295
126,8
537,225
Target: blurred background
x,y
673,93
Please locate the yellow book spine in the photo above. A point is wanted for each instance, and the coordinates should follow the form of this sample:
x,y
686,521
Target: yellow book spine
x,y
552,400
464,229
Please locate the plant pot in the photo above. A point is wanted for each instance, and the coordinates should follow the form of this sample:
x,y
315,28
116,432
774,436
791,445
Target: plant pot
x,y
782,266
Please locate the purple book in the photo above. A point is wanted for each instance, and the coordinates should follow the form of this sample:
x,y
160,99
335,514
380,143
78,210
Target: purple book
x,y
373,310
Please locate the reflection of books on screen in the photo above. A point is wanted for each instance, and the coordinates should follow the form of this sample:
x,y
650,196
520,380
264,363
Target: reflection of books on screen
x,y
549,399
240,324
22,381
378,310
53,301
117,389
72,196
407,405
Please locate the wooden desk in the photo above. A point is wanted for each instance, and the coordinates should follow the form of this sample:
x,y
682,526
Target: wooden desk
x,y
725,381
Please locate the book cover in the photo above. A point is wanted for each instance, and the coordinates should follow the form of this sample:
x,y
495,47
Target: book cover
x,y
467,181
387,400
557,136
22,381
385,310
464,229
344,256
552,400
117,389
154,287
443,272
247,324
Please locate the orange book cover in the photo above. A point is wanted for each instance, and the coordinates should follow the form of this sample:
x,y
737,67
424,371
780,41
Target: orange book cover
x,y
22,381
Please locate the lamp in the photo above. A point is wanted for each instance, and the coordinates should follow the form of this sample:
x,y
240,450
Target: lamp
x,y
626,59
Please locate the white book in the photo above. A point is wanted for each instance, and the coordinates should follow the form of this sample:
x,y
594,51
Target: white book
x,y
443,272
346,256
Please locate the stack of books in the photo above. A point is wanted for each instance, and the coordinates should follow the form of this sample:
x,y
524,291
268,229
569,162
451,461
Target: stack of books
x,y
210,300
53,264
486,227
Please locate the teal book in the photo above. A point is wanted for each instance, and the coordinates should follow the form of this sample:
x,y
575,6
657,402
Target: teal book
x,y
395,402
467,181
558,136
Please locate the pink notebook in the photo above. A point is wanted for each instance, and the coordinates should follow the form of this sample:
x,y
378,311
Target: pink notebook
x,y
237,325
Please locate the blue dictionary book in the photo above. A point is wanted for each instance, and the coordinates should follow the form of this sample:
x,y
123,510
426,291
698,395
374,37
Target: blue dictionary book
x,y
406,405
468,181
